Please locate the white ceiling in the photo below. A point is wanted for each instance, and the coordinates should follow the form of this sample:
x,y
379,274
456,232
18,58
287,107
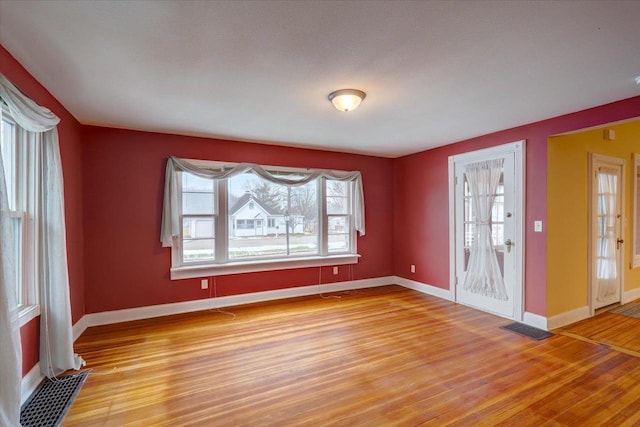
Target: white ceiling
x,y
435,72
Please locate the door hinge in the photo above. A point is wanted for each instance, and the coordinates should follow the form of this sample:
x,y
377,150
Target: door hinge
x,y
455,180
456,281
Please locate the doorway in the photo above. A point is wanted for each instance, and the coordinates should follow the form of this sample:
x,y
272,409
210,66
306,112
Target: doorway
x,y
606,219
487,229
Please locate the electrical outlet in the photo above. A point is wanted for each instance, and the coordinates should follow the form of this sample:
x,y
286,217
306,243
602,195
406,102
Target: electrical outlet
x,y
204,284
335,270
537,226
413,268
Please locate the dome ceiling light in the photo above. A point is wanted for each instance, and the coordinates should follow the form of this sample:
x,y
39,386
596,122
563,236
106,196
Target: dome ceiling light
x,y
346,99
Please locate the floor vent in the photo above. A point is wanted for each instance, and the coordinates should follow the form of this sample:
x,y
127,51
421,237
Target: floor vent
x,y
527,331
49,403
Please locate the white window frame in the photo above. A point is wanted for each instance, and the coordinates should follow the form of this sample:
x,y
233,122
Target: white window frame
x,y
635,212
350,220
223,265
25,161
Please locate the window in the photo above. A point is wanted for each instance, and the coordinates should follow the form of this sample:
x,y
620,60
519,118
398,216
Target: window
x,y
255,224
198,219
291,211
338,215
496,222
19,157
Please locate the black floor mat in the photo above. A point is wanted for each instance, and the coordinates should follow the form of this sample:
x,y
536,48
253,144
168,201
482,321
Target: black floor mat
x,y
527,331
50,402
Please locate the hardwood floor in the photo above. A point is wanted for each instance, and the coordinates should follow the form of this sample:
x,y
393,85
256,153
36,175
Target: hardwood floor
x,y
382,356
616,331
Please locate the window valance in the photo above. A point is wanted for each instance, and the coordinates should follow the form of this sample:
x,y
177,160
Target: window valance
x,y
170,211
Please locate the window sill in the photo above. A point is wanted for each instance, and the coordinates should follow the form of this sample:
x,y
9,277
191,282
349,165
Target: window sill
x,y
193,271
28,313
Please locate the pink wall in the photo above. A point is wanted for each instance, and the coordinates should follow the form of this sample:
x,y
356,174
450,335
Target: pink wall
x,y
125,265
421,232
71,151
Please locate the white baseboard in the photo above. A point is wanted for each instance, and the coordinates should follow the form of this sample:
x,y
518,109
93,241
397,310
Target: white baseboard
x,y
117,316
535,320
79,328
30,382
568,317
126,315
628,296
424,288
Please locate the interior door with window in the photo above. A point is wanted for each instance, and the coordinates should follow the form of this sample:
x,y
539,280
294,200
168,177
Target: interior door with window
x,y
487,229
606,220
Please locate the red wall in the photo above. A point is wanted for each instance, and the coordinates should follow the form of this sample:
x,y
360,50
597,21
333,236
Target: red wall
x,y
113,191
30,338
126,266
421,197
69,131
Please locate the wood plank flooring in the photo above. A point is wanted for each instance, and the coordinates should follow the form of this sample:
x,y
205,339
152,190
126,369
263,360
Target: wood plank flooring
x,y
614,330
385,356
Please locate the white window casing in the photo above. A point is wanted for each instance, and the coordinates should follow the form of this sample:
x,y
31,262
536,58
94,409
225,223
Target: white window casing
x,y
20,157
175,227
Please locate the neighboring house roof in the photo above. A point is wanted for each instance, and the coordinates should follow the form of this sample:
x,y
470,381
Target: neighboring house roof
x,y
246,197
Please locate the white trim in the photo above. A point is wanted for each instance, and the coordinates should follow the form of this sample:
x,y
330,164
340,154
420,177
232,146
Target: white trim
x,y
453,279
518,150
521,226
79,328
30,382
595,161
490,152
435,291
116,316
635,210
210,270
568,317
223,264
535,320
28,313
630,295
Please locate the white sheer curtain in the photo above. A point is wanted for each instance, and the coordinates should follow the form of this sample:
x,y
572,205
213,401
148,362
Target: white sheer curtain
x,y
483,271
170,218
10,347
56,336
606,268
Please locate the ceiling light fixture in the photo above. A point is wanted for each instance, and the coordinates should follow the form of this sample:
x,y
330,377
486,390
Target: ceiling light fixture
x,y
637,80
346,99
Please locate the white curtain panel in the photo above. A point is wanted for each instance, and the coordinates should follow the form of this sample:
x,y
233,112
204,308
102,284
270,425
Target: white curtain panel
x,y
606,268
56,336
170,212
483,272
10,347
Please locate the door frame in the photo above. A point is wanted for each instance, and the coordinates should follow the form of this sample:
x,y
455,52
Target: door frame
x,y
516,148
595,160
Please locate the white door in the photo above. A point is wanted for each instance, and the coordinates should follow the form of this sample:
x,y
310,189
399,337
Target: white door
x,y
606,219
487,228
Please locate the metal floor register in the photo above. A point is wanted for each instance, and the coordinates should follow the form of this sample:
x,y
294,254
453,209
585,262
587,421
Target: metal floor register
x,y
49,403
